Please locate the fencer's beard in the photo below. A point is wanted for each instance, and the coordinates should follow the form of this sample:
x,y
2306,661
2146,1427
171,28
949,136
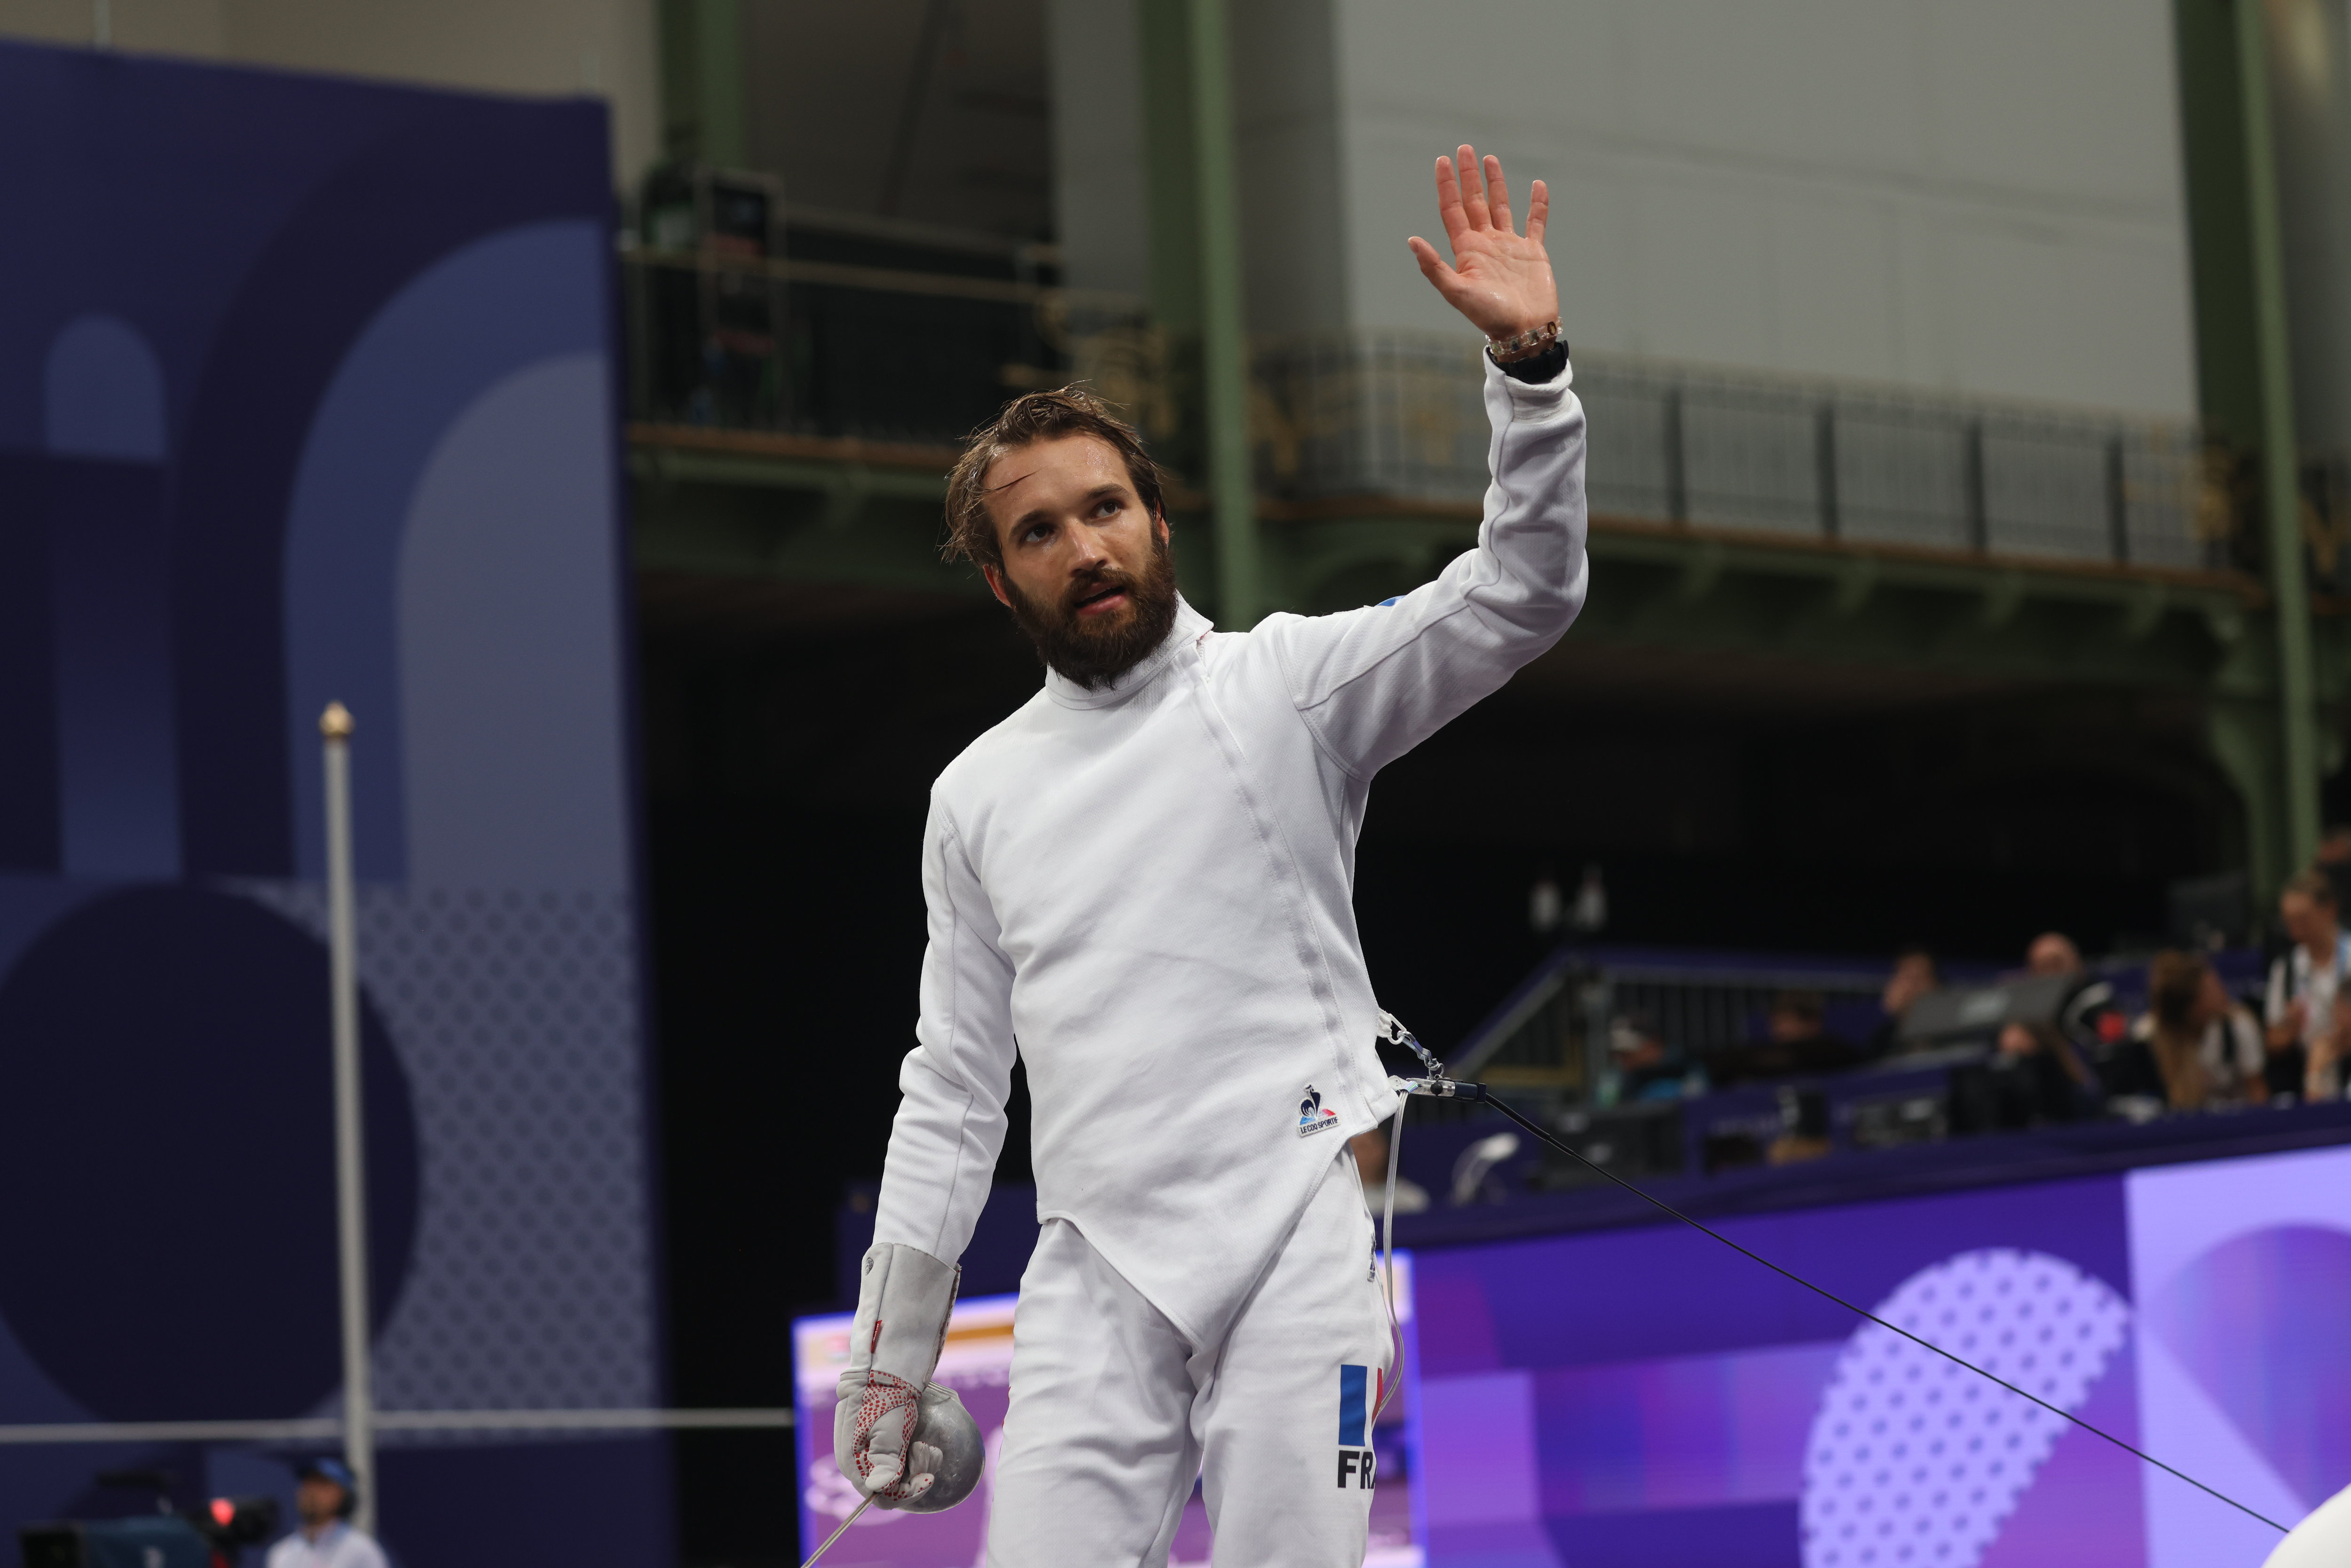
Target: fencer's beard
x,y
1095,651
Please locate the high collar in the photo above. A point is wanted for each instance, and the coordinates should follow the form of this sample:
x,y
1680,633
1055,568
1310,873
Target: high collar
x,y
1189,628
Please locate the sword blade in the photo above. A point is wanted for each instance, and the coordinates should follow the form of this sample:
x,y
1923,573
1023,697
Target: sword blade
x,y
836,1534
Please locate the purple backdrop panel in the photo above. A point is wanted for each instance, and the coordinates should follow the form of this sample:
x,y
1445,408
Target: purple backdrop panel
x,y
1749,1535
1656,1290
1650,1397
1695,1431
2243,1271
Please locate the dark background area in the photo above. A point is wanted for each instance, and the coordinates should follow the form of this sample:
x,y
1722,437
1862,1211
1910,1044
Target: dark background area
x,y
792,735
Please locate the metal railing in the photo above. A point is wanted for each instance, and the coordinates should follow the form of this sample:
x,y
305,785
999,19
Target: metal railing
x,y
749,342
1551,1038
1398,414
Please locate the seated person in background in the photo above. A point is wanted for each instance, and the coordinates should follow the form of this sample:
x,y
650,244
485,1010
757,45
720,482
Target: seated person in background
x,y
1794,1044
2228,1038
1914,975
2306,1025
2204,1045
2053,953
1644,1064
1370,1152
2044,1078
326,1495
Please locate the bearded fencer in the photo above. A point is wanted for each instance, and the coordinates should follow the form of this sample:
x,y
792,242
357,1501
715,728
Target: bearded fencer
x,y
1142,883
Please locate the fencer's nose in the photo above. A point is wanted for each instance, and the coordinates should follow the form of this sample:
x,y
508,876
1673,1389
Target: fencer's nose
x,y
1088,551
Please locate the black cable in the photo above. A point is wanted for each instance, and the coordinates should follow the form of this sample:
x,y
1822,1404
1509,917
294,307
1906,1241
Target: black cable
x,y
1848,1306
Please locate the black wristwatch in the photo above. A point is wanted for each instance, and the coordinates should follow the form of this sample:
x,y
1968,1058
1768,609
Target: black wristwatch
x,y
1537,368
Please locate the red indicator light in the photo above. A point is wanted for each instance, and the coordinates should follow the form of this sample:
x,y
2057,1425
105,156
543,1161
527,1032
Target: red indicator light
x,y
223,1511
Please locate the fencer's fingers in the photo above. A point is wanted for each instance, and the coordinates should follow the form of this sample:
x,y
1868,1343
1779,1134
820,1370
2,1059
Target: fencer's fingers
x,y
1448,203
1497,196
925,1466
1538,210
1473,189
1432,266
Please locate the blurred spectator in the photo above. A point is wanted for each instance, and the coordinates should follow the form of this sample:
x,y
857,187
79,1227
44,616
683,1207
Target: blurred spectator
x,y
2206,1046
1591,911
2053,953
2220,1031
1370,1152
1646,1065
2175,987
1914,975
1794,1043
2306,1023
325,1501
2041,1077
1545,907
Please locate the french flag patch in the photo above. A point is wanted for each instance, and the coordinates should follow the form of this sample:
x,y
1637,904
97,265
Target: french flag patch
x,y
1359,1398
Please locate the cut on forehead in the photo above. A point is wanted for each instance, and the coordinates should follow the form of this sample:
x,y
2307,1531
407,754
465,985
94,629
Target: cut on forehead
x,y
1079,450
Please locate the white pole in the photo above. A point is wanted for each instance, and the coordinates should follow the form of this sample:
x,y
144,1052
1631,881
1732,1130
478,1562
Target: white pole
x,y
350,1170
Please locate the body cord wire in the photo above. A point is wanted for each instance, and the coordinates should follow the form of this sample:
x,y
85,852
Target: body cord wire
x,y
1387,1271
1819,1290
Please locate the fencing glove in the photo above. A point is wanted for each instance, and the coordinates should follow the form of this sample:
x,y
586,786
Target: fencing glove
x,y
903,1297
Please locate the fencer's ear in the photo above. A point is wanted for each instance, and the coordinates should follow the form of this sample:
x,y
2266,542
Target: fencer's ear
x,y
995,576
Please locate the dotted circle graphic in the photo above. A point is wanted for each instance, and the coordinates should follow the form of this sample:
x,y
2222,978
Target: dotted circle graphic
x,y
1913,1460
516,1016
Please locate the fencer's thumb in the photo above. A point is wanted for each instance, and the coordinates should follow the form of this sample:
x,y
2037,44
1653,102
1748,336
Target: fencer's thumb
x,y
885,1460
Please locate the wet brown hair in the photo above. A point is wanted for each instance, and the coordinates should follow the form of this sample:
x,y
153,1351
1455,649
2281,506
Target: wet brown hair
x,y
1026,420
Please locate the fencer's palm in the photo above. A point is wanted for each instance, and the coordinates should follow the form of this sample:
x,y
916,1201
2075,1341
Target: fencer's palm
x,y
1500,279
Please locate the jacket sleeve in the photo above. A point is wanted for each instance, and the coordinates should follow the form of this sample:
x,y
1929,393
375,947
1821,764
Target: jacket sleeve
x,y
950,1122
1373,683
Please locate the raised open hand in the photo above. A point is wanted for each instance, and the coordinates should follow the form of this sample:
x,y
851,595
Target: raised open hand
x,y
1500,279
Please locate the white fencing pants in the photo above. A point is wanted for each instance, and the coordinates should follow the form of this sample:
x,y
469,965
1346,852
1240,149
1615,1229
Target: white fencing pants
x,y
1112,1413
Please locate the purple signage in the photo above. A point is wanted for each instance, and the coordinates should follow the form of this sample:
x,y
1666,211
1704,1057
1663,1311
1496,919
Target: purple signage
x,y
1648,1397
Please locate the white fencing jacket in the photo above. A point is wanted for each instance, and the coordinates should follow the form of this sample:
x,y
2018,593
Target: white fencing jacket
x,y
1147,890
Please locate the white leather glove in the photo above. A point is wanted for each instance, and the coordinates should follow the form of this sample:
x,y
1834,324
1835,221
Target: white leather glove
x,y
903,1299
